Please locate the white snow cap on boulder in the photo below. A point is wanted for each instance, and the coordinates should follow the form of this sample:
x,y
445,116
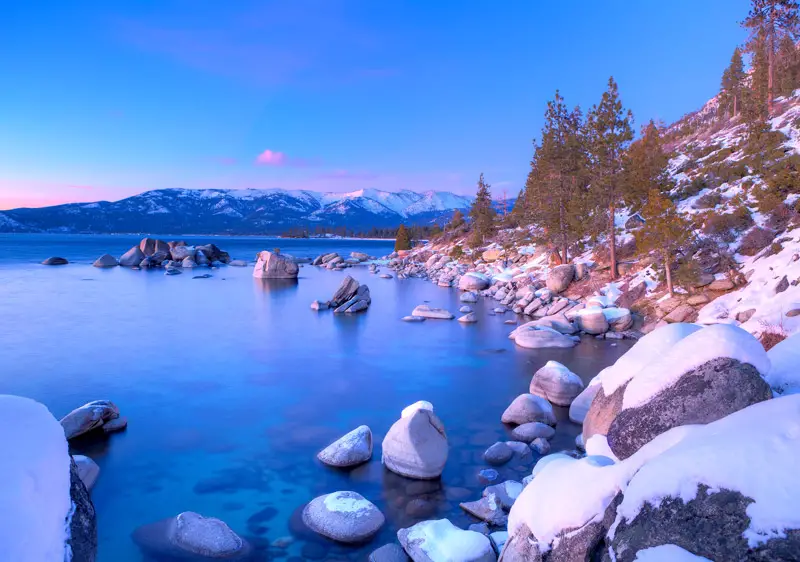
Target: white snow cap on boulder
x,y
419,405
784,374
35,475
698,348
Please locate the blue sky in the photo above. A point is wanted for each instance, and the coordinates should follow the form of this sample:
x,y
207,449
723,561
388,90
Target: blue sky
x,y
102,100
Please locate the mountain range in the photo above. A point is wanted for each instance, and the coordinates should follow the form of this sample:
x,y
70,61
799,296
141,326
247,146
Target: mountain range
x,y
246,211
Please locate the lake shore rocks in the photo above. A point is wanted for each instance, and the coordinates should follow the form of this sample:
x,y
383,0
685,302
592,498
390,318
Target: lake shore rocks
x,y
55,261
88,417
528,408
191,536
345,517
426,311
271,265
352,449
88,471
441,541
416,446
556,383
106,260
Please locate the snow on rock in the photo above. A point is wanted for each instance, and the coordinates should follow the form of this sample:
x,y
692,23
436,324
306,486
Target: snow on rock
x,y
784,374
35,492
694,350
419,405
556,383
441,541
597,445
712,456
667,553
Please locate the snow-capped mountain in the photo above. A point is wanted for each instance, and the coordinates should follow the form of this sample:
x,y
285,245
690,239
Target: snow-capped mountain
x,y
246,211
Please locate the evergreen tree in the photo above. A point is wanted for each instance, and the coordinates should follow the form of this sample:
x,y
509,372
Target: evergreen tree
x,y
482,214
788,67
665,231
456,221
769,21
756,96
732,85
554,188
402,240
609,130
645,165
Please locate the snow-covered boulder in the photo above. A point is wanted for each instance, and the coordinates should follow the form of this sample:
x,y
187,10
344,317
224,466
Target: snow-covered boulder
x,y
190,536
88,417
41,521
556,383
559,278
592,321
344,517
613,380
715,499
441,541
426,311
529,408
418,405
416,446
704,377
271,265
473,281
619,319
784,374
351,449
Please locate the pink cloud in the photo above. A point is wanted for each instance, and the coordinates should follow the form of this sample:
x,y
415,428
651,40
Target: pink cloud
x,y
271,158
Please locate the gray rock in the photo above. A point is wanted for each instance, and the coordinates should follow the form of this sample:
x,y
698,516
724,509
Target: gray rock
x,y
416,446
434,313
180,253
271,265
88,417
360,256
527,408
88,471
465,309
498,454
486,509
557,307
106,260
705,394
560,277
188,263
116,424
413,318
441,541
712,525
697,300
389,553
505,494
345,517
55,261
172,271
481,528
132,257
679,314
580,406
238,263
721,285
745,315
543,338
622,321
782,285
345,292
532,307
556,383
473,282
602,411
318,305
190,536
541,446
352,449
499,539
150,246
592,321
82,538
527,432
469,318
201,258
468,297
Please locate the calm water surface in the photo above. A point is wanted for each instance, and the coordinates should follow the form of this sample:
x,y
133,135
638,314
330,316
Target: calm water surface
x,y
232,384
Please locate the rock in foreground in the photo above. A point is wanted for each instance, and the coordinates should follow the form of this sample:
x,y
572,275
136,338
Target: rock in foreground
x,y
352,449
556,383
441,541
88,417
528,408
416,446
343,516
190,536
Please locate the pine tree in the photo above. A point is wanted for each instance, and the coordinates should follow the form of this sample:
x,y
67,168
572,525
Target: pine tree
x,y
645,166
482,214
788,67
553,190
402,240
732,85
665,231
769,21
756,96
609,130
456,221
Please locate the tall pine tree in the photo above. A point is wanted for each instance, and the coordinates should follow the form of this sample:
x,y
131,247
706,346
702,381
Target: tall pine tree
x,y
769,21
402,239
610,130
732,85
788,67
645,166
482,214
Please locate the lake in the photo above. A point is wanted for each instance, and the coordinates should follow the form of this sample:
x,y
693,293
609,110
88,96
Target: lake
x,y
232,384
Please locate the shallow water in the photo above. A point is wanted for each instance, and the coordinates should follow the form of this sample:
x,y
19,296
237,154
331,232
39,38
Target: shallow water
x,y
231,385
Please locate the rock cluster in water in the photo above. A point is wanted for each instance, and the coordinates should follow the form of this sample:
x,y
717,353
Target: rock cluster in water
x,y
274,265
334,261
350,297
173,256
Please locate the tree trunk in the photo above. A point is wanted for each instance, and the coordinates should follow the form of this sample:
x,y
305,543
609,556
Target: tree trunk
x,y
770,66
735,100
564,253
612,241
669,274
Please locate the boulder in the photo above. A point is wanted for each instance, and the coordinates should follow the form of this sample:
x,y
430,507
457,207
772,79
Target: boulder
x,y
346,291
201,258
426,311
319,305
468,297
543,338
352,449
619,319
580,406
150,246
238,263
188,263
88,471
505,493
271,265
528,432
631,295
82,539
181,252
560,277
556,383
486,509
360,256
328,258
592,321
745,315
472,281
602,411
465,309
528,408
697,300
345,517
106,260
190,536
132,257
491,255
55,261
721,285
213,253
116,424
358,303
441,541
541,446
468,318
416,446
498,454
409,411
389,553
679,314
88,417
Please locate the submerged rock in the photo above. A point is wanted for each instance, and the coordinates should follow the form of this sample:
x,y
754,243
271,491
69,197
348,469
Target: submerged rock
x,y
435,313
543,338
189,533
469,318
411,318
498,454
352,449
55,261
527,432
344,517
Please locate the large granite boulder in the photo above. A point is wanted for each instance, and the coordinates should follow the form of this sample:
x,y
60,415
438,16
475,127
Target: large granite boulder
x,y
441,541
580,406
88,417
559,278
556,383
473,281
150,246
426,311
132,258
358,303
539,337
602,411
88,471
180,252
416,446
345,292
528,408
106,260
190,536
350,450
345,517
271,265
592,321
82,538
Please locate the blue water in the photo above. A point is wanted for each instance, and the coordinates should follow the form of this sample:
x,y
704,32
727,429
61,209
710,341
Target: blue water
x,y
231,385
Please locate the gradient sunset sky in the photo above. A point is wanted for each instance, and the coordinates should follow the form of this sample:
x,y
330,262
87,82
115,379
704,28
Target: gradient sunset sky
x,y
102,100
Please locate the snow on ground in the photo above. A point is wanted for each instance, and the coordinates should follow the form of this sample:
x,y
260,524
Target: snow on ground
x,y
721,340
759,293
784,375
713,454
667,553
35,476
